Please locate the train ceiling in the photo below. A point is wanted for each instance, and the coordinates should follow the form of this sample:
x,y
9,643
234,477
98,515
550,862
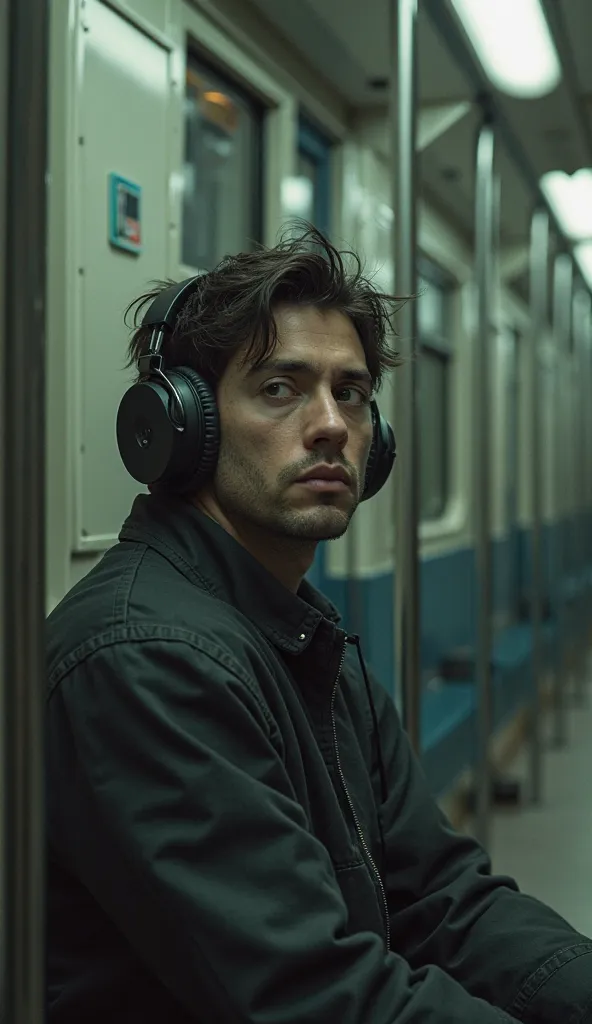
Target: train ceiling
x,y
349,43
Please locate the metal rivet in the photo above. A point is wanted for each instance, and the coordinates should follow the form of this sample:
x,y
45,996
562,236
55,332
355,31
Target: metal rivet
x,y
302,636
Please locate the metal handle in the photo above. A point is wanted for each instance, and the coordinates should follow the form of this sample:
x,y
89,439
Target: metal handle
x,y
562,289
539,278
581,402
406,479
485,234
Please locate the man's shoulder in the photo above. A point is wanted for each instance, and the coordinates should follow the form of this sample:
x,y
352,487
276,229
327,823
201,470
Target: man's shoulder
x,y
133,595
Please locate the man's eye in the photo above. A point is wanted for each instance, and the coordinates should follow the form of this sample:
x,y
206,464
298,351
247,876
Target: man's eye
x,y
351,395
273,389
355,396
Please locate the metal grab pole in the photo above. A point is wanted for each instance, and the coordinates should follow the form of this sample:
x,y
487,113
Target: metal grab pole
x,y
539,275
562,286
584,415
587,476
406,479
586,465
581,312
484,264
22,982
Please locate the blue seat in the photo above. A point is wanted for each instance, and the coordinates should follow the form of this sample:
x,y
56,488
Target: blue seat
x,y
447,733
443,710
511,648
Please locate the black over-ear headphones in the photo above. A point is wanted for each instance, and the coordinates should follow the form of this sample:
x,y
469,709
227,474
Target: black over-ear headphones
x,y
168,429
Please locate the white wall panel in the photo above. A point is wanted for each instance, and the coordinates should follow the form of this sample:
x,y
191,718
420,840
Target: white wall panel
x,y
123,113
154,13
367,224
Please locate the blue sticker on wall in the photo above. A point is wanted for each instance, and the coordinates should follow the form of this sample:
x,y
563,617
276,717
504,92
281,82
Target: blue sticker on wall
x,y
125,214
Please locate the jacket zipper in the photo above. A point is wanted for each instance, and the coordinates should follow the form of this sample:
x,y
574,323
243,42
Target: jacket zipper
x,y
350,802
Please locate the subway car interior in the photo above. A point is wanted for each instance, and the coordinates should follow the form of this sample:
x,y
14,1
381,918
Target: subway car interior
x,y
449,143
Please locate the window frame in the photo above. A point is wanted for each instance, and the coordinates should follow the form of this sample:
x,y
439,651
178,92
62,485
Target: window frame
x,y
215,47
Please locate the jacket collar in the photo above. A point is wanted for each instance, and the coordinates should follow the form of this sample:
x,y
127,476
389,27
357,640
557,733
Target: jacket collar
x,y
205,553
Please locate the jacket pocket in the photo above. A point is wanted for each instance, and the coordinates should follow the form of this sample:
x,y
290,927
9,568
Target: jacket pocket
x,y
362,899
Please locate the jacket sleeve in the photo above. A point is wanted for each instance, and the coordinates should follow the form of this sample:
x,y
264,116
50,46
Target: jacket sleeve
x,y
446,908
169,799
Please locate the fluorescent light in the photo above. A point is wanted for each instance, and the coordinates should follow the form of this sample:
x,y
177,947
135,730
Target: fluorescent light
x,y
571,199
513,43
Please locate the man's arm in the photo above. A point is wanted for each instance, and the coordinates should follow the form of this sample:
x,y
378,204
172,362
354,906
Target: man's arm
x,y
447,909
169,799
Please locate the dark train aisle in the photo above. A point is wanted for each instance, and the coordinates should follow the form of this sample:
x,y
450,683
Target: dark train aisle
x,y
548,848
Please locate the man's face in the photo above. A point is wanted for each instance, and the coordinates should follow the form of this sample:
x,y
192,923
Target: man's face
x,y
307,407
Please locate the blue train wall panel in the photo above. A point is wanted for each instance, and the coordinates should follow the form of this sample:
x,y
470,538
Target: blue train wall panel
x,y
448,623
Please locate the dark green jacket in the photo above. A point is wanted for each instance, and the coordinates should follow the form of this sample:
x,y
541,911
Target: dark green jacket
x,y
215,810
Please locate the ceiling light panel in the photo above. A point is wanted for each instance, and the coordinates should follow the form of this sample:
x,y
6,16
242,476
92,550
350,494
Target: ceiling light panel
x,y
512,40
571,200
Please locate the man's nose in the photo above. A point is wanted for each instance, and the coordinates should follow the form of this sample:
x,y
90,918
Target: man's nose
x,y
325,422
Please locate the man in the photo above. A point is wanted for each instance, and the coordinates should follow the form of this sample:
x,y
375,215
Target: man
x,y
238,830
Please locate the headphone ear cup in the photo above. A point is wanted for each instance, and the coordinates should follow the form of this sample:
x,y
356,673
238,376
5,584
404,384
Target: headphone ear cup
x,y
200,439
381,456
157,450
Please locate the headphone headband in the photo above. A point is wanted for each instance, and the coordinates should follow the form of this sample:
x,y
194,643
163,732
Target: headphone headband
x,y
164,310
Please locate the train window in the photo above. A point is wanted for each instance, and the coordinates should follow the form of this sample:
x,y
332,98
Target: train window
x,y
314,165
222,173
307,169
433,313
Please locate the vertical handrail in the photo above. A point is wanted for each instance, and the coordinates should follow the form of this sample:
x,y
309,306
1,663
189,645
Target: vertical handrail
x,y
484,265
587,446
583,402
406,478
581,312
22,982
539,279
562,289
587,471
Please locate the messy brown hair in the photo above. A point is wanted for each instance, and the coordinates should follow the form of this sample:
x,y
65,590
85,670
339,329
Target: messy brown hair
x,y
232,307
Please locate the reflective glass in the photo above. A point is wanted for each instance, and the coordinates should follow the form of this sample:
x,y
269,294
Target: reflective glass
x,y
222,187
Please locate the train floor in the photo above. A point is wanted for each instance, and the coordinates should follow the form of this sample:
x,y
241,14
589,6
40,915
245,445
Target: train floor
x,y
547,848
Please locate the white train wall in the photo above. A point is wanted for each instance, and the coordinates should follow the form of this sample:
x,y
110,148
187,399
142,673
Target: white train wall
x,y
118,88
